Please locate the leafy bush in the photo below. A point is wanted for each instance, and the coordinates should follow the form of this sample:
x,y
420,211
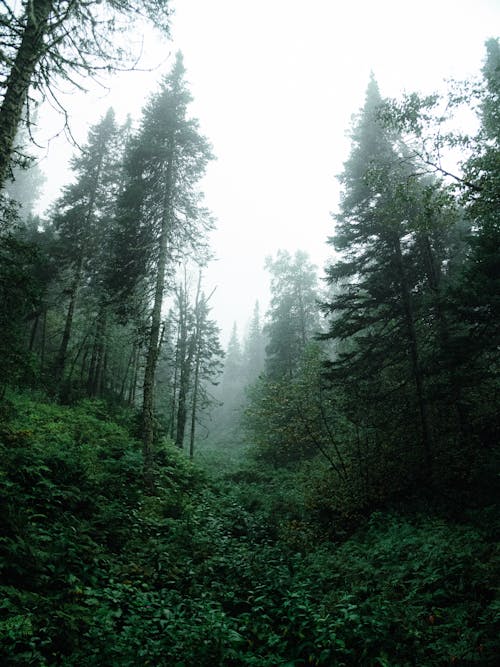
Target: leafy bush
x,y
231,570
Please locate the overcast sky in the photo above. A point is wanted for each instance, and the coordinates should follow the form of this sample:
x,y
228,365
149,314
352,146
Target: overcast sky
x,y
275,83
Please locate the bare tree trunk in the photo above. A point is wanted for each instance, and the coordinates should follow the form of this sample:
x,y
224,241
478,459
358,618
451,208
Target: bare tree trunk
x,y
133,378
194,405
96,371
30,51
102,371
34,329
60,362
125,375
196,382
186,353
44,338
173,406
82,348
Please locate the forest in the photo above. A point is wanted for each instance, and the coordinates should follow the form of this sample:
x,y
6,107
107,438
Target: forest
x,y
322,490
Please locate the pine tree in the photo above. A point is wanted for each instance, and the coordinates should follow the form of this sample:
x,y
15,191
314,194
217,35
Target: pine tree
x,y
254,348
231,392
293,313
482,203
83,220
233,366
160,215
475,299
207,363
377,311
281,416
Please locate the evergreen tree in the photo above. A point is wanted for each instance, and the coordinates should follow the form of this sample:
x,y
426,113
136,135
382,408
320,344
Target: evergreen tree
x,y
475,300
208,355
293,313
254,348
231,392
384,230
233,366
83,219
482,201
160,214
463,311
18,295
284,420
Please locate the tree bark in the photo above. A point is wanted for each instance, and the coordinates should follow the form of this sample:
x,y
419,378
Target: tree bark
x,y
34,329
194,406
173,404
196,381
186,352
95,379
44,338
415,360
125,375
30,51
134,377
60,362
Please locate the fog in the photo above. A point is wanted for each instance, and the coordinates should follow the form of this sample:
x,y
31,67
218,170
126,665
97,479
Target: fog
x,y
275,83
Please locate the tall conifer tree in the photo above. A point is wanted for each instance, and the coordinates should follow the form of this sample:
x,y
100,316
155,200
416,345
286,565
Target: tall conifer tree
x,y
84,218
293,313
161,218
376,310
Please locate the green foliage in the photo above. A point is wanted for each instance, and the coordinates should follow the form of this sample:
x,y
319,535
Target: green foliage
x,y
229,571
286,417
292,319
414,313
73,505
24,271
279,559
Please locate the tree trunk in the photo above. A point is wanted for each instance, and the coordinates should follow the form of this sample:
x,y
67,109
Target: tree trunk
x,y
61,357
96,371
60,362
186,353
134,377
34,329
125,375
185,376
173,404
194,406
102,371
18,82
415,360
154,336
196,381
44,338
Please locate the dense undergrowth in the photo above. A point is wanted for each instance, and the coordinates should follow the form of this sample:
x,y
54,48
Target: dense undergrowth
x,y
222,565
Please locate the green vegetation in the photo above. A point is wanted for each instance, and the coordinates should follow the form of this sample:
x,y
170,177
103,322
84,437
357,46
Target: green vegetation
x,y
345,511
233,569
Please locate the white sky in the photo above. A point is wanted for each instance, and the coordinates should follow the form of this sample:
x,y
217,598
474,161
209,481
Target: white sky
x,y
275,83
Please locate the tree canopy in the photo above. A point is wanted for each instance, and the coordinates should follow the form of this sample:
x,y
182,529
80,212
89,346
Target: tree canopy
x,y
324,491
47,41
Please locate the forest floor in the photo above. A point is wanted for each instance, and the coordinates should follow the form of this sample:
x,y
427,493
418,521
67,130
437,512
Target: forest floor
x,y
225,564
